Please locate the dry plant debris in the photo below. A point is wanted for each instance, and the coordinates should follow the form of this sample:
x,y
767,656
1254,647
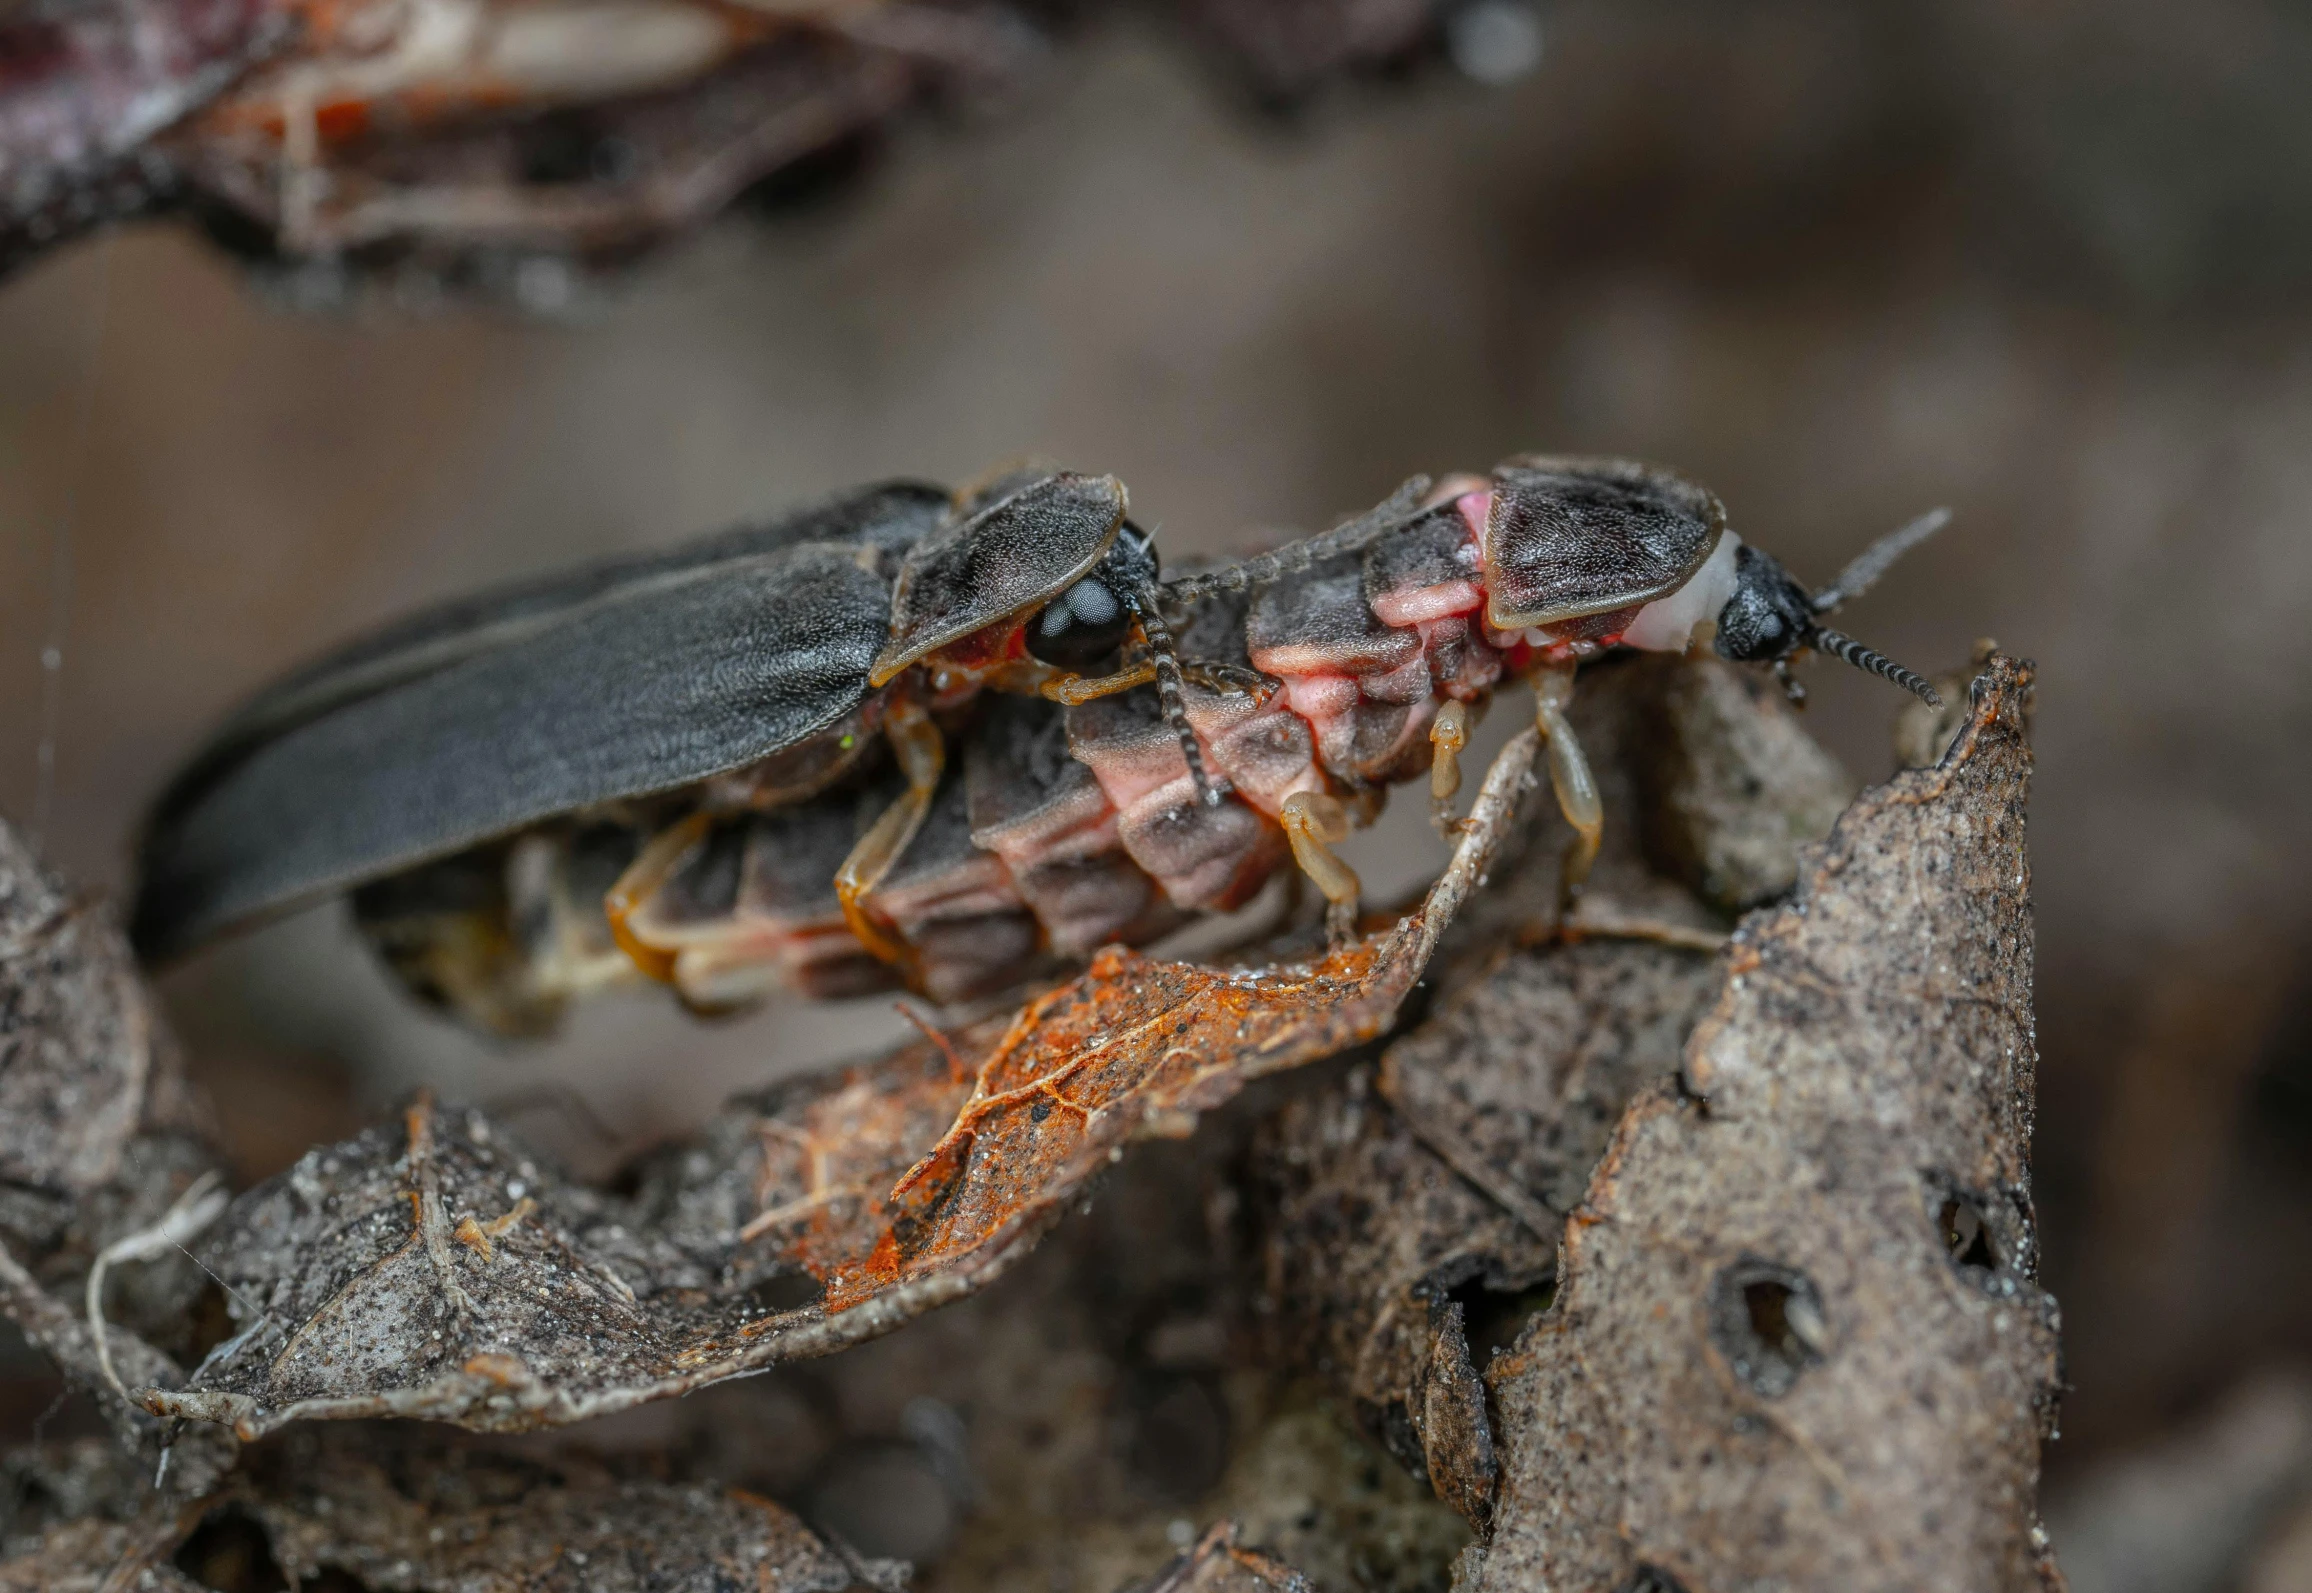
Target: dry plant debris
x,y
1409,1221
1757,1222
1437,1184
1797,1338
413,1511
1077,1425
99,1140
416,1514
433,1269
334,148
1730,785
1219,1564
78,1063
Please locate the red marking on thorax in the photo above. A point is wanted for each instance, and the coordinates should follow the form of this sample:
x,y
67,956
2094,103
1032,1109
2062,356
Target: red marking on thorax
x,y
986,648
1476,510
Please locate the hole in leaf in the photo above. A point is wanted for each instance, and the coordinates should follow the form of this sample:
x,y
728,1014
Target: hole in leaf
x,y
1985,1239
329,1579
230,1553
1967,1235
1492,1318
1767,1320
787,1291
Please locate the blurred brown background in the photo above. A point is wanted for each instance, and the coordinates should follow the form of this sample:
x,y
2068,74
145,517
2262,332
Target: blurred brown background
x,y
2047,264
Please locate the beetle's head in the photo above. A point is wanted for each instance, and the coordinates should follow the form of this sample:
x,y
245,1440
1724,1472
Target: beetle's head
x,y
1093,618
1771,617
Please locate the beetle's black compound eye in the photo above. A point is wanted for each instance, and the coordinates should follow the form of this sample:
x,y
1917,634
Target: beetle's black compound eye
x,y
1768,617
1081,626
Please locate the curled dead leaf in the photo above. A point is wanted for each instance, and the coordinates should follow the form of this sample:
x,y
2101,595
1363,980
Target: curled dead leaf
x,y
1798,1335
437,1270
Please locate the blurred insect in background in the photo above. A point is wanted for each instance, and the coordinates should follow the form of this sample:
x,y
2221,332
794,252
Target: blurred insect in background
x,y
505,144
517,147
945,741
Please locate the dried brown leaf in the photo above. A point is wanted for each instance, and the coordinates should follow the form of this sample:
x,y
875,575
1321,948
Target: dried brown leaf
x,y
1730,780
1443,1181
77,1039
98,1133
429,1516
419,1512
1798,1337
65,1336
98,1140
1419,1207
440,1272
92,1556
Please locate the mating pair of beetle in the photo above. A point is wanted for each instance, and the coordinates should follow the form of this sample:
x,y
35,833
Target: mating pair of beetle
x,y
904,735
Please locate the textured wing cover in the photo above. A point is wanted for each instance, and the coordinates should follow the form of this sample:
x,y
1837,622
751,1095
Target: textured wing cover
x,y
1020,550
1568,537
889,517
671,682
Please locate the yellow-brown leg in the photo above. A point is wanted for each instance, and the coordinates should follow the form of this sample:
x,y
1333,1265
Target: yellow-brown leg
x,y
1570,777
922,756
1219,679
657,859
1074,689
1312,819
1448,734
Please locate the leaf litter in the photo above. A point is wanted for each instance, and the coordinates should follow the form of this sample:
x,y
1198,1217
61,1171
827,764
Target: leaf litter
x,y
434,1269
1426,1238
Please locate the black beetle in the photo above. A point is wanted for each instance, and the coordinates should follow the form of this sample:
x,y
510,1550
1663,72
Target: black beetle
x,y
767,649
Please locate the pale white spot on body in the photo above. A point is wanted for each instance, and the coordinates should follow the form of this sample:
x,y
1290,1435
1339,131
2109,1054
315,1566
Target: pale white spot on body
x,y
1666,625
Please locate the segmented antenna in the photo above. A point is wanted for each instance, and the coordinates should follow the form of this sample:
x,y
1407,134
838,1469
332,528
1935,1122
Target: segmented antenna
x,y
1294,557
1863,658
1874,561
1166,658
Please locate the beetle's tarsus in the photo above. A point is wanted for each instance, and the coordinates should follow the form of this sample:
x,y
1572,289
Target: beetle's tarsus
x,y
641,881
1070,690
923,758
1570,778
1312,820
1222,680
1448,735
1792,688
1449,825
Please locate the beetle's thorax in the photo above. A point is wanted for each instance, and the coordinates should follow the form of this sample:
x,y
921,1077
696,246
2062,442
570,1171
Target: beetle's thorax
x,y
1671,622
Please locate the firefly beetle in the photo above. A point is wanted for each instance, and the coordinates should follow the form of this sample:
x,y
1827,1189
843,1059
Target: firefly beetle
x,y
524,148
728,766
507,145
